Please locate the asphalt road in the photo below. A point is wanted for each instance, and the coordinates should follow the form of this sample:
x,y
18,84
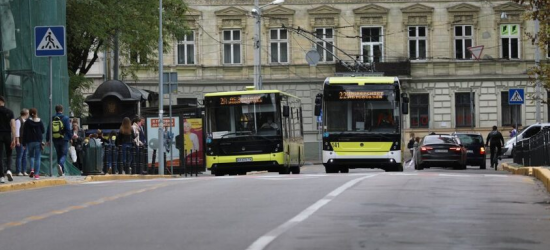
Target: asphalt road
x,y
365,209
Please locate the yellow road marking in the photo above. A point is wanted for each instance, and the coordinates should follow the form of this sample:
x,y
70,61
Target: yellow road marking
x,y
74,208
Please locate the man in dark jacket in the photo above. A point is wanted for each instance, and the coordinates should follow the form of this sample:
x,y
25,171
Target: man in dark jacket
x,y
7,138
61,144
496,140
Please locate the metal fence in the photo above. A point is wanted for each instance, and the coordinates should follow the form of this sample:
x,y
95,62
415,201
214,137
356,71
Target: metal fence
x,y
533,151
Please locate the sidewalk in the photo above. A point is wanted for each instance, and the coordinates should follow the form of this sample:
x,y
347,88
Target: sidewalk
x,y
24,182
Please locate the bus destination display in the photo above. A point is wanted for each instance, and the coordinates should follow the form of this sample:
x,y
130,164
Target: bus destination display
x,y
361,95
244,99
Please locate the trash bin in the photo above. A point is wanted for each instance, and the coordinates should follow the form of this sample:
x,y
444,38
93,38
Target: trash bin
x,y
93,158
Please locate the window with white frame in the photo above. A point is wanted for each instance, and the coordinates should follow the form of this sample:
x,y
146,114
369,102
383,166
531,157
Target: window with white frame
x,y
325,43
464,115
278,41
186,49
372,44
509,37
420,110
511,114
417,42
464,38
231,46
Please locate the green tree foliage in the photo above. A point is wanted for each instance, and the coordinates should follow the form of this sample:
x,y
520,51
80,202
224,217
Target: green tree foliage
x,y
540,9
91,28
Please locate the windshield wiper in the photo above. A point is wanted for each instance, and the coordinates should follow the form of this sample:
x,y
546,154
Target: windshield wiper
x,y
237,133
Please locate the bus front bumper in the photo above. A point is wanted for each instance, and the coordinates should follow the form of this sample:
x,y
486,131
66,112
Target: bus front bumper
x,y
362,159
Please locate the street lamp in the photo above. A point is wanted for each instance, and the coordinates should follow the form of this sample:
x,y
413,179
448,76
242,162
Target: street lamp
x,y
257,13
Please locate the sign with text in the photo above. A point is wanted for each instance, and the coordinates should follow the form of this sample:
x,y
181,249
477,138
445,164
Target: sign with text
x,y
153,139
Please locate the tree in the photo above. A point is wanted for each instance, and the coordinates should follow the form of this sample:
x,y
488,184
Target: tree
x,y
93,24
540,9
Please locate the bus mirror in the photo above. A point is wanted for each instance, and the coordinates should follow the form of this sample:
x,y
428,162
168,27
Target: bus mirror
x,y
405,108
317,109
286,111
318,103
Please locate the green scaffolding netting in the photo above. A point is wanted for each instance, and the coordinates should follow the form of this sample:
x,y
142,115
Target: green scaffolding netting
x,y
25,78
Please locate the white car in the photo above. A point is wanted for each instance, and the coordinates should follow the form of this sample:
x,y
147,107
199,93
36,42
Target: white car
x,y
523,134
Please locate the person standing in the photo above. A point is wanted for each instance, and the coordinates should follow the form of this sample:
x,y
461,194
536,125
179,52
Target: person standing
x,y
77,140
21,162
410,145
142,136
7,139
61,133
125,139
513,132
33,131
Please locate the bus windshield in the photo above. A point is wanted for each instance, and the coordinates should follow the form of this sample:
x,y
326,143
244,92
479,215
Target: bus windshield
x,y
362,111
233,116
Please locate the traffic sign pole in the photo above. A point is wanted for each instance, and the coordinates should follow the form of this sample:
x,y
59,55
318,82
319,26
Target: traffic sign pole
x,y
51,115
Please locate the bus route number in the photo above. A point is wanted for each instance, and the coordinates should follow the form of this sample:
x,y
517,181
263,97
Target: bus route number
x,y
336,144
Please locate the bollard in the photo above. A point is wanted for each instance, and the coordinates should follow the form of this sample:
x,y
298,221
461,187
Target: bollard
x,y
185,162
153,161
134,160
119,162
196,163
165,166
105,153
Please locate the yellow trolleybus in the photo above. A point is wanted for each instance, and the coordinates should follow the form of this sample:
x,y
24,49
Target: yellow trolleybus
x,y
253,130
362,123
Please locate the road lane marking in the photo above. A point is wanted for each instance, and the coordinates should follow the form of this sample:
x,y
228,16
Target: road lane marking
x,y
262,242
76,207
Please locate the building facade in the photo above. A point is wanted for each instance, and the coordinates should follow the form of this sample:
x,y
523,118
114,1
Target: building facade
x,y
425,43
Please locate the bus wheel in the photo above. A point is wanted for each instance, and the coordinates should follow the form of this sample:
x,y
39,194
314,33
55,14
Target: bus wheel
x,y
344,170
331,170
284,170
296,170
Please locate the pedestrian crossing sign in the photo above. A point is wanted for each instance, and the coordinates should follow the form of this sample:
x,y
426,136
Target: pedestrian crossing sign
x,y
516,96
49,41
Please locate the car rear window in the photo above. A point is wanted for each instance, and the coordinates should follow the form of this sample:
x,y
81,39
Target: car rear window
x,y
470,139
439,139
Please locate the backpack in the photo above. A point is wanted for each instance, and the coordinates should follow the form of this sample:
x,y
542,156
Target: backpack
x,y
411,143
57,128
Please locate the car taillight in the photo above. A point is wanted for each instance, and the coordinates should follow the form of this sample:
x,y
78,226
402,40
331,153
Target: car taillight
x,y
482,150
425,149
456,149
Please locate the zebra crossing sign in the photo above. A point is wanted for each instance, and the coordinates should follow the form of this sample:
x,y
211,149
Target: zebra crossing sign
x,y
49,41
516,96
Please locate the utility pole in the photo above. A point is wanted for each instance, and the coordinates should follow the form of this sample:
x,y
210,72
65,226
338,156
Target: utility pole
x,y
160,153
537,65
257,45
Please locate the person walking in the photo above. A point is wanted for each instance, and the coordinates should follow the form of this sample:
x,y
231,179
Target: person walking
x,y
61,133
21,159
513,132
7,139
33,130
410,145
125,139
495,139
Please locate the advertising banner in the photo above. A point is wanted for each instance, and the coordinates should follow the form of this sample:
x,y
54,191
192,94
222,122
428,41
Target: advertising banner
x,y
192,141
169,145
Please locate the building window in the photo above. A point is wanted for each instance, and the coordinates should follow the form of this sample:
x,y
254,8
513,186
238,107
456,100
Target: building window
x,y
325,39
509,36
372,44
510,113
464,116
417,42
463,39
186,49
138,57
279,45
420,110
231,46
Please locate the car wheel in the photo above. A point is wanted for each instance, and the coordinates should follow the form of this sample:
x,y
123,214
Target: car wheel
x,y
296,170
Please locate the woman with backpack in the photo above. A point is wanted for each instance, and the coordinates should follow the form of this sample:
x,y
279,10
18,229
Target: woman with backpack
x,y
125,139
33,129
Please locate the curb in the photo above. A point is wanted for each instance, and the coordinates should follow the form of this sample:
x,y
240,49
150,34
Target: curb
x,y
92,178
33,184
528,171
542,174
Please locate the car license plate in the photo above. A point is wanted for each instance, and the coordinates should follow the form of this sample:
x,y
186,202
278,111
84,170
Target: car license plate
x,y
441,151
470,151
247,159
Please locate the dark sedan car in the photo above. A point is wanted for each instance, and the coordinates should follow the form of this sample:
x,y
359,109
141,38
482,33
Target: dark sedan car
x,y
439,151
475,148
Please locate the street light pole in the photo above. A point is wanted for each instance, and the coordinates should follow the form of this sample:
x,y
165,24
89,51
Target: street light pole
x,y
160,153
256,12
537,64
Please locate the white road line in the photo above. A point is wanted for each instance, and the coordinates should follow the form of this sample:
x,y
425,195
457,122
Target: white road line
x,y
496,175
262,242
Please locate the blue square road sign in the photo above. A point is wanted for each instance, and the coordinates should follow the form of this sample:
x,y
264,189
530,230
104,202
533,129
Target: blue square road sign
x,y
516,96
49,41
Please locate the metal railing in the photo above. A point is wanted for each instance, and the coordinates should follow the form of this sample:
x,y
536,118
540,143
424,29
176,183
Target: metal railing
x,y
533,151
